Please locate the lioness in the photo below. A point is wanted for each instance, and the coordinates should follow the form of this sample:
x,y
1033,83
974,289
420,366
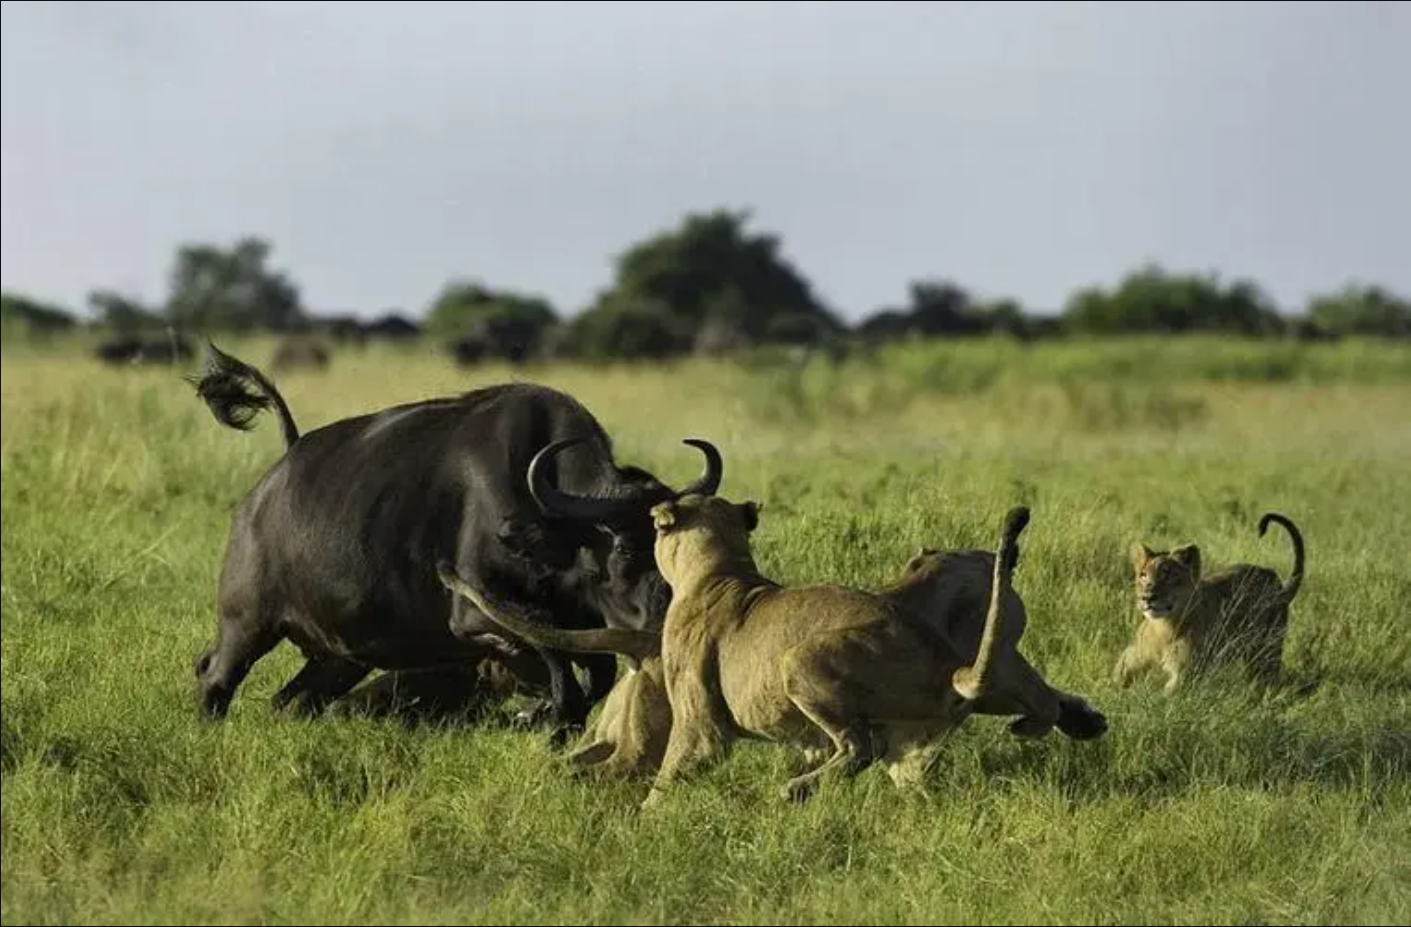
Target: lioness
x,y
947,589
950,589
1193,621
816,666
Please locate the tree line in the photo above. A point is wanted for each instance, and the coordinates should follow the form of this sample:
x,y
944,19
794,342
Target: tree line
x,y
709,285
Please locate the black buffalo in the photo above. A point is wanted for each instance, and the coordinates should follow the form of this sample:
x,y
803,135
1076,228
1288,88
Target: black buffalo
x,y
336,546
135,350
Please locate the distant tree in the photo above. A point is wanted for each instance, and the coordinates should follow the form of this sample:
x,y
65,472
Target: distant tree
x,y
1359,309
631,330
710,267
942,308
1002,315
28,316
123,314
232,289
463,304
1154,300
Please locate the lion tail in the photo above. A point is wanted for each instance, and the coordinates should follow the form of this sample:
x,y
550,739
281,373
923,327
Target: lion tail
x,y
1296,577
635,645
973,681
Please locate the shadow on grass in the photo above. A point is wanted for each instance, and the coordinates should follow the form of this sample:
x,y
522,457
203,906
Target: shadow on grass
x,y
1154,754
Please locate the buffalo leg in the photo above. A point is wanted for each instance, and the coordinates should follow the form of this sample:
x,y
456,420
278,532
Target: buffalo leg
x,y
567,706
417,695
566,709
321,680
240,643
602,674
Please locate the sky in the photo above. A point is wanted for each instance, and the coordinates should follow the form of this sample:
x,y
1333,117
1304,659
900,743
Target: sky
x,y
1020,149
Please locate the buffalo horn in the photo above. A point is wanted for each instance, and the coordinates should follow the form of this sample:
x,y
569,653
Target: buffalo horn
x,y
708,483
557,502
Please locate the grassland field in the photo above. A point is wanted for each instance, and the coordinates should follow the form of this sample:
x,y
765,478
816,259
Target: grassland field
x,y
1217,805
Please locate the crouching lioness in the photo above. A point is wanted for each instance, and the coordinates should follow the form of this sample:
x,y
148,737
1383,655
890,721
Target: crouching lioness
x,y
948,589
821,666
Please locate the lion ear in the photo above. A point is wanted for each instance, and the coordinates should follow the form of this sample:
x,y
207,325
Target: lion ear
x,y
664,515
1187,556
749,511
1141,554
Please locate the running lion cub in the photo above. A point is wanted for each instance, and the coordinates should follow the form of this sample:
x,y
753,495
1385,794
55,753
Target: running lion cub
x,y
1193,621
819,666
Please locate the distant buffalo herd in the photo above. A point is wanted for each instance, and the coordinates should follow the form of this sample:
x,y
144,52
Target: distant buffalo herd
x,y
308,348
491,340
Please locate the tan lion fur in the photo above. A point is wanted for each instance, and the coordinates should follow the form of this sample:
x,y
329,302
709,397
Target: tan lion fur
x,y
1192,621
951,590
948,589
628,737
816,666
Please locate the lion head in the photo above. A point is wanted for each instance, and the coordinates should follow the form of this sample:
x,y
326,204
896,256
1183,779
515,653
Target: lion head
x,y
1165,579
697,534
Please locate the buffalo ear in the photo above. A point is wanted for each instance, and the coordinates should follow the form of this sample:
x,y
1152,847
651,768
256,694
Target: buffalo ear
x,y
749,511
664,515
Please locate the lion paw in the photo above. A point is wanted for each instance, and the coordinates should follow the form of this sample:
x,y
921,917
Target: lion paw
x,y
799,790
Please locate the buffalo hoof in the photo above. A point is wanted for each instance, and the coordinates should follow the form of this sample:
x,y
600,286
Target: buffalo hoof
x,y
541,714
537,714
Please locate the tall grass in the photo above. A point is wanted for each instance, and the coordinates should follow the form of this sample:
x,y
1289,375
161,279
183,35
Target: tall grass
x,y
1215,806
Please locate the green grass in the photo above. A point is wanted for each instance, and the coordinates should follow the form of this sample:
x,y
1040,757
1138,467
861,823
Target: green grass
x,y
1215,806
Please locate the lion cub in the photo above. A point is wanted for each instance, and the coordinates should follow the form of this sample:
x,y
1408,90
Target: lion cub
x,y
820,666
1192,622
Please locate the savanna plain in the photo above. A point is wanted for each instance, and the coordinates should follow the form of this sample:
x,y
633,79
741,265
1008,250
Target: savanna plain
x,y
1216,805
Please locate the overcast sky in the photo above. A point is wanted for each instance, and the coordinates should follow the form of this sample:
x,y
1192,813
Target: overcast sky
x,y
1023,149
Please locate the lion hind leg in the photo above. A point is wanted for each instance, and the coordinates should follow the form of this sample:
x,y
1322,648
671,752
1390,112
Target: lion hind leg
x,y
827,699
1267,662
911,752
852,753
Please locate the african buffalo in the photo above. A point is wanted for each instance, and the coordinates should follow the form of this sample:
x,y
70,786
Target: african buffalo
x,y
135,350
497,339
336,546
300,354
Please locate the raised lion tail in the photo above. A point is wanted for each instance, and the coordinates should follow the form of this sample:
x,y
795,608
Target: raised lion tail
x,y
1295,581
973,681
236,392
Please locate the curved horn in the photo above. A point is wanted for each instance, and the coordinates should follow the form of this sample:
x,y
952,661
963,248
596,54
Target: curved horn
x,y
708,483
555,501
